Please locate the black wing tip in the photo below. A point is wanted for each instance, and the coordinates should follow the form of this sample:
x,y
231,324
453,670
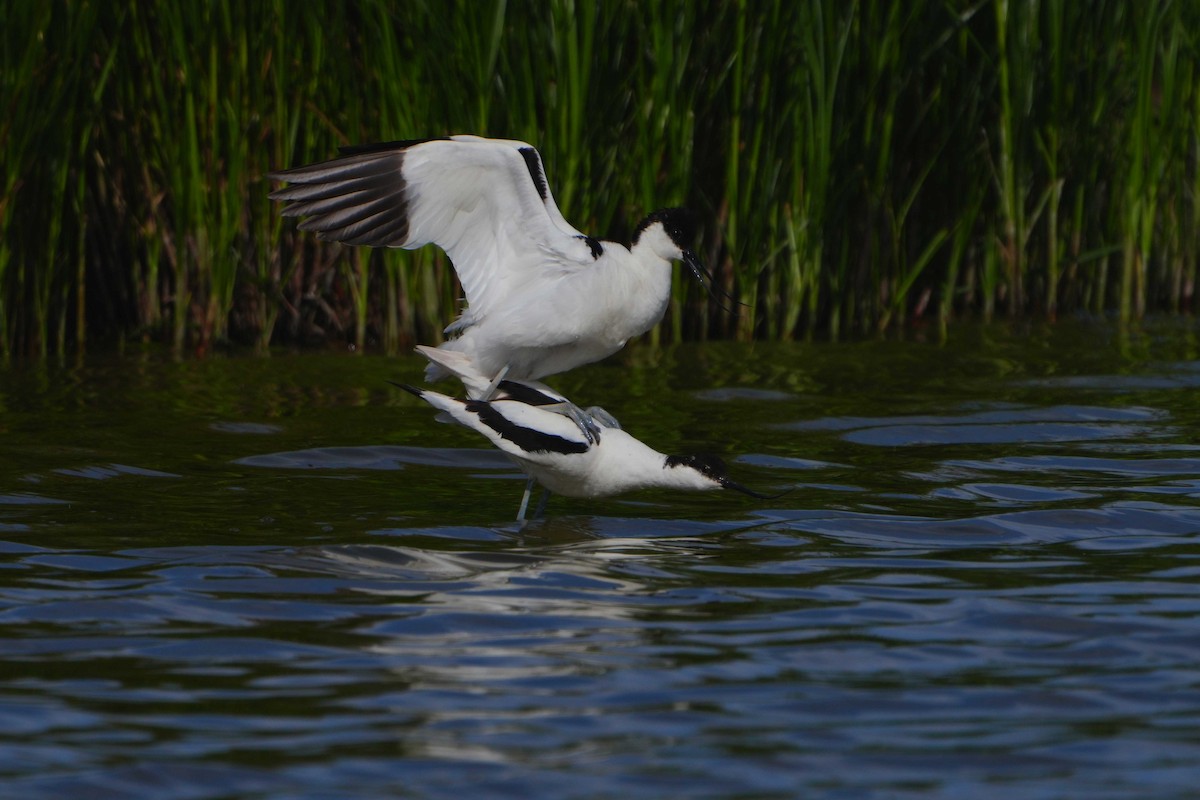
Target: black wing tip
x,y
352,200
297,174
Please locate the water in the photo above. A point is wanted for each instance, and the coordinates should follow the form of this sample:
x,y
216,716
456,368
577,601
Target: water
x,y
279,578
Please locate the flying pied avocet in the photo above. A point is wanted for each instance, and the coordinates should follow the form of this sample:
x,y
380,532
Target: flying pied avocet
x,y
542,298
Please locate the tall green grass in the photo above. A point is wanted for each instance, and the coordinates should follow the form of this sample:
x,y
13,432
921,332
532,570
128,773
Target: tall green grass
x,y
857,165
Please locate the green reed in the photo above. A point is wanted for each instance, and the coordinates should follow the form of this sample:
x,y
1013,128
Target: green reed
x,y
856,165
45,141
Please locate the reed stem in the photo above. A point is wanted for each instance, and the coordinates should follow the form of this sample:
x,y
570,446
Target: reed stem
x,y
857,166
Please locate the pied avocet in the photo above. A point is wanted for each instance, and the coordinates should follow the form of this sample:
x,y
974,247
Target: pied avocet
x,y
552,449
542,298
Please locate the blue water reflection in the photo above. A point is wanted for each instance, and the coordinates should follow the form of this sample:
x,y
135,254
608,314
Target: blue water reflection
x,y
983,588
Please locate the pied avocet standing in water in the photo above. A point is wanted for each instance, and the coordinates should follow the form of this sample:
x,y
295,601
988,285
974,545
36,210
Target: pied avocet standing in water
x,y
552,449
542,298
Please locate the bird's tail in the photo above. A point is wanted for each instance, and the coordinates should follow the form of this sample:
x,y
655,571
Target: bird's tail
x,y
452,363
449,406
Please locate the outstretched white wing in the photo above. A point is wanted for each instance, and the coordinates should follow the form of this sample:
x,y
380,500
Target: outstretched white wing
x,y
484,201
537,171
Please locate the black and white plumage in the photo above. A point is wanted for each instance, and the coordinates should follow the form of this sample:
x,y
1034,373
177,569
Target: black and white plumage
x,y
542,297
551,449
480,387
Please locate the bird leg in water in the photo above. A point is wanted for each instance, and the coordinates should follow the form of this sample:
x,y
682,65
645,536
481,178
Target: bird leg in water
x,y
541,506
582,419
525,501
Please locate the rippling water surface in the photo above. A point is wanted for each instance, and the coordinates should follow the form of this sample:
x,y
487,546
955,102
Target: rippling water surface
x,y
278,578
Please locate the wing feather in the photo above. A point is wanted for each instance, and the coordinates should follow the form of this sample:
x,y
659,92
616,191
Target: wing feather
x,y
527,431
486,202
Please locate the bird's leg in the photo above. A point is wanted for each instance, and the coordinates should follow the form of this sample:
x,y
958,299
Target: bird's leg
x,y
599,415
525,501
541,506
588,426
491,389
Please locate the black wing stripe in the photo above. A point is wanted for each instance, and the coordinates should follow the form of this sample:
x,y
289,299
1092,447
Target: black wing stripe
x,y
526,394
528,439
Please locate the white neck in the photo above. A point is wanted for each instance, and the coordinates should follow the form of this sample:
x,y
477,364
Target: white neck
x,y
645,278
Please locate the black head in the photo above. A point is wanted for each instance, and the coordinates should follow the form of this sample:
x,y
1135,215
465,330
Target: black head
x,y
679,223
707,465
714,468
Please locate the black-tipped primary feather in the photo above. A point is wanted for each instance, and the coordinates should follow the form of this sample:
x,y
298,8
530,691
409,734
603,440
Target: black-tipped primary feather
x,y
358,200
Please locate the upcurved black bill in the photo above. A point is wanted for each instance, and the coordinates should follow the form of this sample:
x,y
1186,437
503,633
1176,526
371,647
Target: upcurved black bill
x,y
737,487
706,280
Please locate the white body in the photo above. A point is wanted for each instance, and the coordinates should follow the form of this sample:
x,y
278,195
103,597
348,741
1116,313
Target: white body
x,y
616,463
542,297
573,319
